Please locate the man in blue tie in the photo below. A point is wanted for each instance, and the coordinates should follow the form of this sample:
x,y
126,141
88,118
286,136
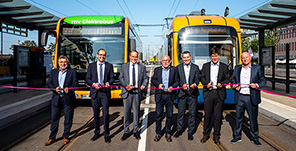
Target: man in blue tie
x,y
100,76
165,77
133,77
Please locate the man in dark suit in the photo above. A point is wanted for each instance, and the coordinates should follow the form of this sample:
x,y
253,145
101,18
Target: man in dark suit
x,y
214,73
61,79
133,77
165,77
247,77
189,75
100,76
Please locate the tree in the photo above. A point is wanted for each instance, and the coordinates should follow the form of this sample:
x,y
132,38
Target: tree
x,y
27,43
269,40
51,47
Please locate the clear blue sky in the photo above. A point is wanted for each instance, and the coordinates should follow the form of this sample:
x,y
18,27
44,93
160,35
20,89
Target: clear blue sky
x,y
139,12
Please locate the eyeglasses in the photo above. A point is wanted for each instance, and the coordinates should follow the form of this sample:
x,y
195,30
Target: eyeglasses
x,y
102,55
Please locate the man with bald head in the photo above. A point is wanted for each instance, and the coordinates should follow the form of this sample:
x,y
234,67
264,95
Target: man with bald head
x,y
165,78
246,79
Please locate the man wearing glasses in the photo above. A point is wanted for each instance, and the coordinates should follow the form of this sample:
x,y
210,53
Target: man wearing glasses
x,y
100,76
165,77
61,79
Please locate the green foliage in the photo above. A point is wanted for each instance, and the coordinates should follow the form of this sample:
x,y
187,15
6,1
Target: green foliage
x,y
269,40
27,43
51,47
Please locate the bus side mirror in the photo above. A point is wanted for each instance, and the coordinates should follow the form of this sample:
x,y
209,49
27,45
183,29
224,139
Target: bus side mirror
x,y
44,36
132,44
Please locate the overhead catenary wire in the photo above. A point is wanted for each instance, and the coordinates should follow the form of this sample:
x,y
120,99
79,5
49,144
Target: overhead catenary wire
x,y
49,8
129,11
121,7
176,7
195,5
87,7
171,8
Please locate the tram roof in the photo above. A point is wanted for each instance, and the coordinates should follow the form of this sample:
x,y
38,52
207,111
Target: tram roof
x,y
23,14
274,14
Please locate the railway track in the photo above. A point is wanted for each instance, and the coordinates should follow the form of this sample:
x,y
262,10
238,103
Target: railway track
x,y
261,136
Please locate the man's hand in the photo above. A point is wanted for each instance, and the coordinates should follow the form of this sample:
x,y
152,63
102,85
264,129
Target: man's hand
x,y
160,86
193,86
142,87
253,85
209,86
236,87
66,90
96,85
185,86
219,85
107,85
128,87
58,90
170,90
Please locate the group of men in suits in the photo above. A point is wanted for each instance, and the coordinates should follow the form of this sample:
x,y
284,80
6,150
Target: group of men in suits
x,y
100,77
215,74
214,77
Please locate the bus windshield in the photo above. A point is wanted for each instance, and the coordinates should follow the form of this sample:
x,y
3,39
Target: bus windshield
x,y
82,50
198,40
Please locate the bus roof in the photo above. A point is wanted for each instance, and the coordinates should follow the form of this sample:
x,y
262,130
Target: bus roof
x,y
93,19
183,21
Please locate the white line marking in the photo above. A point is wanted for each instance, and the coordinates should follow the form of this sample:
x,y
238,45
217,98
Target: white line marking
x,y
142,142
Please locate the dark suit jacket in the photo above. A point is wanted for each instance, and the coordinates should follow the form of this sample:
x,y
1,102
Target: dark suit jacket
x,y
223,78
92,77
70,81
257,76
125,79
194,76
173,82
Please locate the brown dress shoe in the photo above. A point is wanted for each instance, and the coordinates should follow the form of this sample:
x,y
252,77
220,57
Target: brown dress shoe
x,y
66,140
216,140
49,142
204,139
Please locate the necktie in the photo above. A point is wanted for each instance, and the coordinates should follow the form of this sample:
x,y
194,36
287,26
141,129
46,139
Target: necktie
x,y
101,74
134,75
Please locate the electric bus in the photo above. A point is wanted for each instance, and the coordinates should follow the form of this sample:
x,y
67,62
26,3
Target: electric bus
x,y
198,33
80,37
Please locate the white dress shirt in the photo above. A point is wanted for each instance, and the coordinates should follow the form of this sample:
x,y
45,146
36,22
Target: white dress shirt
x,y
245,78
131,73
187,72
214,73
98,70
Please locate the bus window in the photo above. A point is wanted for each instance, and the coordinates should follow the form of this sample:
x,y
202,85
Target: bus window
x,y
199,40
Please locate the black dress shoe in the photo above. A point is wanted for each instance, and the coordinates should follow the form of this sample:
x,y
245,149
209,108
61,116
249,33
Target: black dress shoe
x,y
157,138
168,138
95,137
216,140
204,139
125,136
190,136
137,135
177,134
107,139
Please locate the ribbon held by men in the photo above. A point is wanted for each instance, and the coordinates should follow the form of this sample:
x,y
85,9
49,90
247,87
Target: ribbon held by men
x,y
117,86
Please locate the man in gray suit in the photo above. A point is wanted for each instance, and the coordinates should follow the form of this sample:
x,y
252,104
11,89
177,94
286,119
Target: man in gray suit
x,y
189,75
133,77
